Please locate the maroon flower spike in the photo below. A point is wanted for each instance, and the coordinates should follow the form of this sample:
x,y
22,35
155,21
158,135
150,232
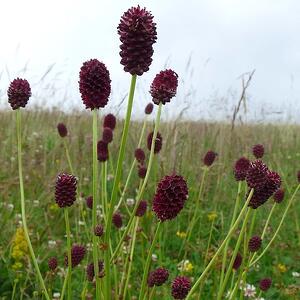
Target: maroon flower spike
x,y
298,175
278,196
110,121
18,93
158,277
265,284
157,144
62,129
102,151
117,220
65,190
240,168
137,33
142,171
89,202
171,194
209,158
52,263
254,243
141,209
107,135
258,151
94,84
181,286
164,86
98,230
237,261
90,271
149,108
77,255
257,174
139,155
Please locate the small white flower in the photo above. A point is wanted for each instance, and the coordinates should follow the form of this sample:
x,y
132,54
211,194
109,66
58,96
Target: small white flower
x,y
18,216
154,257
89,246
295,274
81,223
51,244
259,298
10,206
130,202
249,290
36,203
56,295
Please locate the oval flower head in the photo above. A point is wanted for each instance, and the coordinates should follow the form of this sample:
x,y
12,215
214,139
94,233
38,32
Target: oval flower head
x,y
18,93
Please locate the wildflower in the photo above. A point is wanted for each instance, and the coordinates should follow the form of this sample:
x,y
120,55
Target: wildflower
x,y
212,216
98,230
257,174
249,290
181,234
281,268
209,158
52,263
51,244
181,286
130,202
237,261
89,202
117,220
18,93
110,121
185,266
107,135
149,108
265,284
171,194
164,86
240,168
254,243
17,265
65,190
77,255
56,295
296,274
157,143
154,257
158,277
278,196
62,130
137,34
298,175
141,209
139,155
102,151
258,151
142,171
90,271
20,247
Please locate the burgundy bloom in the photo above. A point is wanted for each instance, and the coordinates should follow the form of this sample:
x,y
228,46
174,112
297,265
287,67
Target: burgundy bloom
x,y
142,171
52,263
65,190
240,168
89,202
110,121
102,151
141,209
139,155
298,175
149,108
18,93
137,33
90,271
158,277
157,144
62,130
209,158
237,261
94,84
107,135
265,284
258,151
257,174
181,286
278,196
254,243
164,86
77,255
117,220
171,194
98,230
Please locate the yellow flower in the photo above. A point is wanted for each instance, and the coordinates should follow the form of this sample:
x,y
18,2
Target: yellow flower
x,y
20,247
181,234
281,268
185,266
54,207
17,265
212,216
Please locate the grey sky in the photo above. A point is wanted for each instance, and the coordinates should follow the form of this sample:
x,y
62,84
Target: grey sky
x,y
224,39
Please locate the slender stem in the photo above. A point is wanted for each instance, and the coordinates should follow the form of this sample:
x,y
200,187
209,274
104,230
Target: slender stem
x,y
230,233
68,156
23,212
62,294
95,203
116,185
268,221
68,232
149,256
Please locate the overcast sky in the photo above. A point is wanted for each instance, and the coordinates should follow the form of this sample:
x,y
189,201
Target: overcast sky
x,y
222,38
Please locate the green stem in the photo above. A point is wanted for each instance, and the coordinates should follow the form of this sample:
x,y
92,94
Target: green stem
x,y
62,294
69,274
230,233
268,221
116,186
148,260
23,213
68,156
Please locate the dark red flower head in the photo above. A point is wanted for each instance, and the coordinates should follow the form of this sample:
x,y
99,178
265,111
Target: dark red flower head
x,y
62,130
65,189
278,196
265,284
94,84
110,121
142,171
139,155
170,196
52,263
164,86
90,271
149,108
240,168
107,135
209,158
258,151
237,261
181,286
117,220
254,243
89,202
298,175
137,33
18,93
141,209
157,144
77,255
158,277
98,230
102,151
257,174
